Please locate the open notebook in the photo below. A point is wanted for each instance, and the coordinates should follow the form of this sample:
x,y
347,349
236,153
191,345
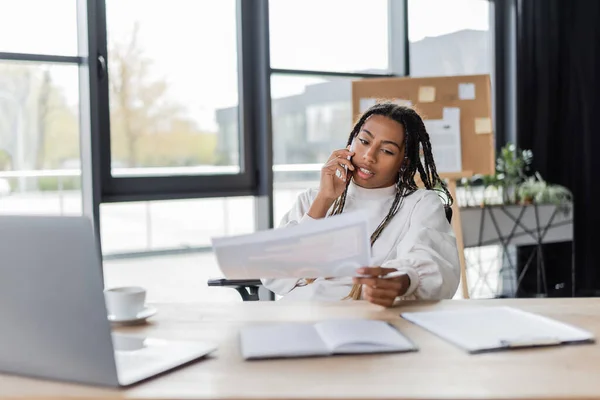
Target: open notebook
x,y
322,339
481,329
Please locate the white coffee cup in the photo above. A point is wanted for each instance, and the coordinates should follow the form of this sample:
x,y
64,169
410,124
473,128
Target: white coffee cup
x,y
125,302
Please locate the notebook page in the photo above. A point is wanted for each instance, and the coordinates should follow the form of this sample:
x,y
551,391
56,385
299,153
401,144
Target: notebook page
x,y
281,340
486,328
361,336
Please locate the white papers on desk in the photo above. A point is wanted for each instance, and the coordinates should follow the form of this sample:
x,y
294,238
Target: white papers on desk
x,y
330,247
481,329
445,140
356,336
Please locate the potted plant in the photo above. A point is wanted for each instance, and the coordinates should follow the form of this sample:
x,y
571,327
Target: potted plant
x,y
512,168
536,190
514,184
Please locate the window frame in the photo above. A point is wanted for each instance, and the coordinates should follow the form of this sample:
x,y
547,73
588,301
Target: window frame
x,y
255,130
254,116
147,188
398,65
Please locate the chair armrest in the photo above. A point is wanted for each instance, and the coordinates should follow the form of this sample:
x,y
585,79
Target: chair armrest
x,y
247,288
234,282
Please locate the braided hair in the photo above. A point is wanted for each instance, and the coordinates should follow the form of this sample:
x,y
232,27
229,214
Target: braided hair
x,y
416,140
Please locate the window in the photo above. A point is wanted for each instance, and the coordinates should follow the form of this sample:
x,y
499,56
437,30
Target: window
x,y
173,87
333,35
336,42
40,171
40,168
135,227
311,117
449,37
160,118
38,27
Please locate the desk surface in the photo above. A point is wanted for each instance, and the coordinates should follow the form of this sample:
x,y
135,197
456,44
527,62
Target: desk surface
x,y
438,370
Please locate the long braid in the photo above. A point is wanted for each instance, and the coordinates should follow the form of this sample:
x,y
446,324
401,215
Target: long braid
x,y
416,138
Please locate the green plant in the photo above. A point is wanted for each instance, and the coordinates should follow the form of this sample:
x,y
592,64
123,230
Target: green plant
x,y
512,165
537,190
513,179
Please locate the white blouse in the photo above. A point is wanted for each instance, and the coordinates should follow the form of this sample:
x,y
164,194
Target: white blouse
x,y
418,241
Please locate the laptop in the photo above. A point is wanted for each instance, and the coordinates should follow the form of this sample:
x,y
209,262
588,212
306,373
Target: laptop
x,y
53,319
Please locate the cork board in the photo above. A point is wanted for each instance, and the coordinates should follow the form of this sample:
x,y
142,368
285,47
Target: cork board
x,y
470,93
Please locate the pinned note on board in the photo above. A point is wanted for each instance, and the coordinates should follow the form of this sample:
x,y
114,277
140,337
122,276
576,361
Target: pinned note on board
x,y
366,103
426,94
466,91
402,102
445,140
483,125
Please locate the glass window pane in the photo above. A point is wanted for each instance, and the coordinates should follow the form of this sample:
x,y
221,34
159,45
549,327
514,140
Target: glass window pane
x,y
453,40
173,87
138,227
172,224
40,169
178,278
38,27
332,35
311,116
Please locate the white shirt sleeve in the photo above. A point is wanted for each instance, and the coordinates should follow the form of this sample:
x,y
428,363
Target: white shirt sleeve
x,y
296,215
428,253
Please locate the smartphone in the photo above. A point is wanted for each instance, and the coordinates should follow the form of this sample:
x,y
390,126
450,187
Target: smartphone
x,y
350,157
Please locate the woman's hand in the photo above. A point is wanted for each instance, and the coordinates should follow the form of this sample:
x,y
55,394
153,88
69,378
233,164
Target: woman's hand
x,y
334,175
333,182
380,290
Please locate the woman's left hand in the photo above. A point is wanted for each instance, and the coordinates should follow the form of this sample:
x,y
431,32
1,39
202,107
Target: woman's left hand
x,y
380,290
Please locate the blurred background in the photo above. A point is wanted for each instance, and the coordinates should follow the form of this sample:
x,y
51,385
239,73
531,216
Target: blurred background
x,y
171,122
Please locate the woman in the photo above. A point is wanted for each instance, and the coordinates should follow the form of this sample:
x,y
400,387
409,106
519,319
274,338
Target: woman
x,y
413,242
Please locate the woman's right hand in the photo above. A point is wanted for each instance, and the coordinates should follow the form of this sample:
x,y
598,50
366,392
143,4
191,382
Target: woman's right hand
x,y
333,182
334,175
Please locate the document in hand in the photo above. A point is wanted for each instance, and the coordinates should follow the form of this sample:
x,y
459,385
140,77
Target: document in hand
x,y
481,329
322,339
330,247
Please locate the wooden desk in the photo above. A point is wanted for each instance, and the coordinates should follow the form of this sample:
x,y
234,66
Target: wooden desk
x,y
438,370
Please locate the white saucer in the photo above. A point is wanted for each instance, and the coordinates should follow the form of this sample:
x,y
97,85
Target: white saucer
x,y
147,312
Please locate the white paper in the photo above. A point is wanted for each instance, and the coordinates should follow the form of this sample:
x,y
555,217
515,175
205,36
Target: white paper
x,y
402,102
329,247
366,103
360,336
281,340
466,91
445,140
486,328
339,336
